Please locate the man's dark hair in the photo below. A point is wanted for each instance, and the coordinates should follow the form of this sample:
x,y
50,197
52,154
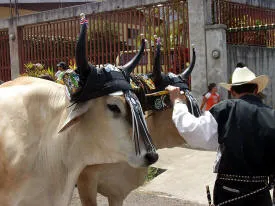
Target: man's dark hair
x,y
240,65
245,88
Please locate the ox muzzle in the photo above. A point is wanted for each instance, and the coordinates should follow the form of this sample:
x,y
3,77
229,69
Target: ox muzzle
x,y
140,131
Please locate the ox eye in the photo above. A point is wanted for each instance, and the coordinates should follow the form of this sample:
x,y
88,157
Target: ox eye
x,y
114,108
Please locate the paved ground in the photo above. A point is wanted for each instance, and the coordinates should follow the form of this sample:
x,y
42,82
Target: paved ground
x,y
183,183
138,198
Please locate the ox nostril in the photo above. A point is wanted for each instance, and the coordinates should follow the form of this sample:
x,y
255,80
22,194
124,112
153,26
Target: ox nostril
x,y
152,157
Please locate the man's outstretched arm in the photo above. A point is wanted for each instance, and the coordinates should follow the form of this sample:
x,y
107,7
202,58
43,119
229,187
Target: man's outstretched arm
x,y
199,132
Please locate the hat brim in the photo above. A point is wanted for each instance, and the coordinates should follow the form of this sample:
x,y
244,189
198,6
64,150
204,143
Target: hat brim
x,y
261,81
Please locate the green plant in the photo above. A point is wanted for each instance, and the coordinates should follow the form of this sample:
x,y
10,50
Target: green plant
x,y
50,71
152,173
36,70
72,64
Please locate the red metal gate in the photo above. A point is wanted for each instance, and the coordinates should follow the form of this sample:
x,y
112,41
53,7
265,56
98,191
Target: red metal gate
x,y
113,37
5,67
247,25
48,43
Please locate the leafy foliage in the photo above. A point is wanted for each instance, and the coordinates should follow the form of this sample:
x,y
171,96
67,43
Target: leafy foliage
x,y
72,64
36,70
152,173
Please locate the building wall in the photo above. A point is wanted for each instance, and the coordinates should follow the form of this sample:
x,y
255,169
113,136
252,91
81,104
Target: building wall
x,y
260,60
5,12
29,8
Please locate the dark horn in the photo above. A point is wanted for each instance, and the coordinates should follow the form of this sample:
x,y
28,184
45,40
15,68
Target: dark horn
x,y
129,67
185,75
156,76
81,55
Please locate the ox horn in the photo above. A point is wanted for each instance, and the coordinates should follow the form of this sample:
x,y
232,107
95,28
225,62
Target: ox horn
x,y
156,76
129,67
185,75
83,68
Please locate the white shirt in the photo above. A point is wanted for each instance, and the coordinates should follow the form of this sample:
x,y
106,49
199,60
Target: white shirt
x,y
199,132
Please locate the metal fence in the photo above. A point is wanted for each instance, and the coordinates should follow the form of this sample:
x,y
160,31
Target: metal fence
x,y
247,25
48,43
113,37
5,67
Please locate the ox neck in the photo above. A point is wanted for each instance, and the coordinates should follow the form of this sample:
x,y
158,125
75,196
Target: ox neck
x,y
162,129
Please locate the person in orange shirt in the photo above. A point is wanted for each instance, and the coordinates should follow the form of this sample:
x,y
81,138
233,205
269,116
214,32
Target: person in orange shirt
x,y
211,97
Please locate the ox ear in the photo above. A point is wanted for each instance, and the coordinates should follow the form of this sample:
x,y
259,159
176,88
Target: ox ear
x,y
76,111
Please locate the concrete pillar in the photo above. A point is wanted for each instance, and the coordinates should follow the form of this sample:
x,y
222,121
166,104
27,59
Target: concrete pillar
x,y
209,41
216,53
197,15
208,12
14,49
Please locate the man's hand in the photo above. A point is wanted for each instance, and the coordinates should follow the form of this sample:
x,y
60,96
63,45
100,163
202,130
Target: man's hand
x,y
175,94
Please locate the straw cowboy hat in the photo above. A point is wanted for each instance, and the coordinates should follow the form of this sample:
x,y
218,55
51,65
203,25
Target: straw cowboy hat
x,y
242,75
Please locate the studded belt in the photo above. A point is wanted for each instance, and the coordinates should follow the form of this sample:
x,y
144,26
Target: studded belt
x,y
241,178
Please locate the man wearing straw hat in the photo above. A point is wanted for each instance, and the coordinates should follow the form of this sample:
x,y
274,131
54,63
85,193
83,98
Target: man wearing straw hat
x,y
243,130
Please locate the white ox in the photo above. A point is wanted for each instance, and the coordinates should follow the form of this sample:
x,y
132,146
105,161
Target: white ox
x,y
116,181
45,141
39,165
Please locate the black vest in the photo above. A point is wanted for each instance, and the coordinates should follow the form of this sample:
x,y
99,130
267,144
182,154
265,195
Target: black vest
x,y
246,130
